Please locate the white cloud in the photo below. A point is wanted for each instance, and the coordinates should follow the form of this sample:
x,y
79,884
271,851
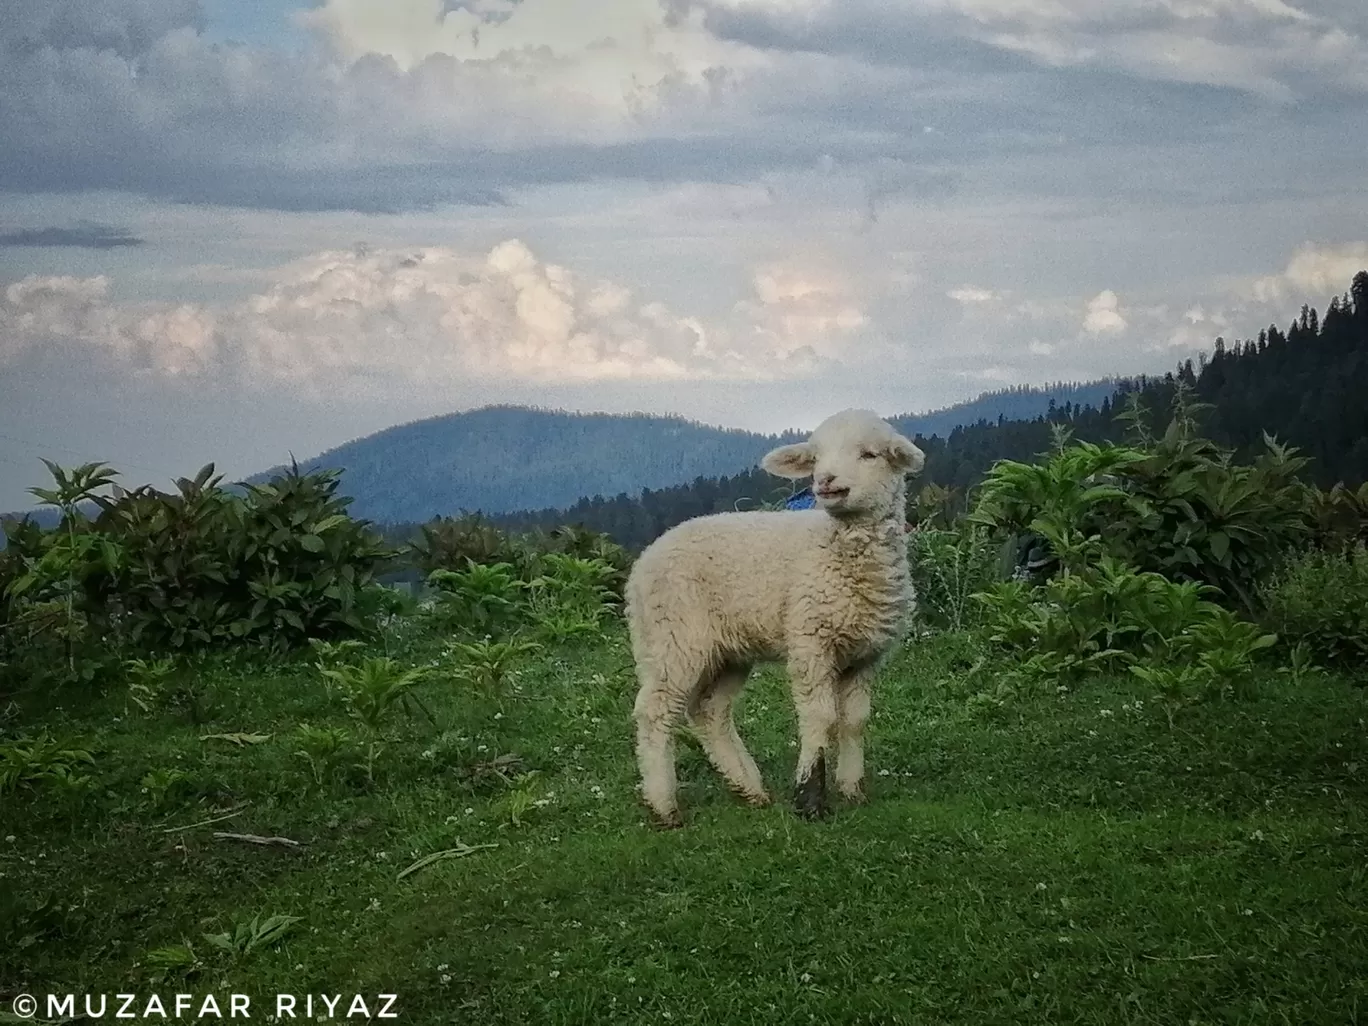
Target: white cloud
x,y
969,294
1314,269
1103,315
434,315
171,339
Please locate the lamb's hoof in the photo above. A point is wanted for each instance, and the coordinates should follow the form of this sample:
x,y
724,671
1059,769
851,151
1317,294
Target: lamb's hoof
x,y
754,799
809,797
855,795
674,821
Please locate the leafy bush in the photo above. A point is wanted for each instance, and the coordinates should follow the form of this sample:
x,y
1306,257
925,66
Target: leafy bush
x,y
483,598
197,568
950,565
39,762
453,544
486,663
374,686
1112,617
323,749
1177,505
1320,600
1340,516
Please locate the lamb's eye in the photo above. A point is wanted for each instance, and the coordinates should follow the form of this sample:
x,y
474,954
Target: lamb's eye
x,y
868,455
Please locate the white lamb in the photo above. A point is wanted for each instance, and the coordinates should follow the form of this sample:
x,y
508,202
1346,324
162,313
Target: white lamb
x,y
825,590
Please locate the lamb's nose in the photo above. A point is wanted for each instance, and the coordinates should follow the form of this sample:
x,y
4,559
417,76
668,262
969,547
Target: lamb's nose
x,y
825,479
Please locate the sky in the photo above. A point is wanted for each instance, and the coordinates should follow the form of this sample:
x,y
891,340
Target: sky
x,y
239,230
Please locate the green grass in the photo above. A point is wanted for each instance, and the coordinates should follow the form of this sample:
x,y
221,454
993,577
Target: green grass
x,y
1065,857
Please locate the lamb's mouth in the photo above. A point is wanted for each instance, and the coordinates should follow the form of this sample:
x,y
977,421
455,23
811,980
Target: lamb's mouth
x,y
832,493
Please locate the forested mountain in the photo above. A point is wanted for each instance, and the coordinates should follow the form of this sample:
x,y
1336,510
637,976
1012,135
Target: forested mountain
x,y
1307,386
504,458
1021,402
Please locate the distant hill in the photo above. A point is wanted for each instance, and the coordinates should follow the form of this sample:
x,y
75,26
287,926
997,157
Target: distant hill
x,y
502,458
1024,402
505,459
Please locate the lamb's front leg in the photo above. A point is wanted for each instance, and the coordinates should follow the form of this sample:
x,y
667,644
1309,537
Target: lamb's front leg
x,y
852,713
814,698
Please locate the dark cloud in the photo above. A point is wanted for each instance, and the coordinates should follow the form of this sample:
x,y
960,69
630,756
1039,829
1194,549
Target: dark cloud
x,y
872,32
125,27
84,235
126,95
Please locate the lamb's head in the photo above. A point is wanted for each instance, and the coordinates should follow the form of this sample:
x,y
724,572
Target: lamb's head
x,y
857,463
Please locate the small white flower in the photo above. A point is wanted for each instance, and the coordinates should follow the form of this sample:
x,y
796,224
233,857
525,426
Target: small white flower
x,y
806,977
443,967
1104,712
9,838
498,716
883,772
445,977
1041,886
555,973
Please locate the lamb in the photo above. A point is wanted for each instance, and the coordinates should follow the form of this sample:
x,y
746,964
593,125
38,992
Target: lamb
x,y
824,590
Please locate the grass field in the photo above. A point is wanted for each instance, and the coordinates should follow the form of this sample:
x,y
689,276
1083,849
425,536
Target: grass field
x,y
1061,858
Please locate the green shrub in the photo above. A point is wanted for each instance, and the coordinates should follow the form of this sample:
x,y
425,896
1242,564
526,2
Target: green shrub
x,y
1341,517
948,567
452,543
1320,600
201,567
1111,617
1178,505
42,762
483,598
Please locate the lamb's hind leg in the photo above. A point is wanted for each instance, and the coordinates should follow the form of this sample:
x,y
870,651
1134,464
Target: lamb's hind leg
x,y
712,718
659,708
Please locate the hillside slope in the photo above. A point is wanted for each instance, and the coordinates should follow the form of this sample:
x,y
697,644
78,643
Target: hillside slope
x,y
501,459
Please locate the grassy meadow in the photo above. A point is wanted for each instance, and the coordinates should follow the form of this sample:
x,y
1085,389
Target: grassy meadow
x,y
1117,770
1065,856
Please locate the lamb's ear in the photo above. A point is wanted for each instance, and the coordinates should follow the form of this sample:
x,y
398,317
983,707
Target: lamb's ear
x,y
905,456
791,461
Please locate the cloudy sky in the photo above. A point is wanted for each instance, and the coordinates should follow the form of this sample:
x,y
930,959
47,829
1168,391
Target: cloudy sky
x,y
235,229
